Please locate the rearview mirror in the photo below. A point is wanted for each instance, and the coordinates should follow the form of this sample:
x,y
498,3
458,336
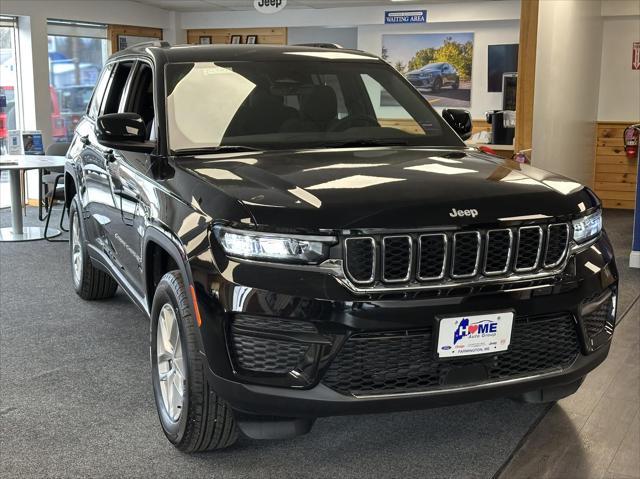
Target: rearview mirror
x,y
123,131
460,121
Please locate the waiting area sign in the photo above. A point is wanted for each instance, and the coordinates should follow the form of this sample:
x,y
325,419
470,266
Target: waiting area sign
x,y
405,16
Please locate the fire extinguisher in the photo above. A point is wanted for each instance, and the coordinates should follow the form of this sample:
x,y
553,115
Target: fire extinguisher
x,y
631,137
631,140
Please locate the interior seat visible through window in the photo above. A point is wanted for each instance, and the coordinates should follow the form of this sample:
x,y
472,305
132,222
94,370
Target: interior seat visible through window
x,y
141,98
318,111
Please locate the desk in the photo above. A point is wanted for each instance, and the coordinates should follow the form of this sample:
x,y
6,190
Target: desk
x,y
16,164
505,151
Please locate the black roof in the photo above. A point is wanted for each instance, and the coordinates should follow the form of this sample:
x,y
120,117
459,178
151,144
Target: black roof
x,y
164,53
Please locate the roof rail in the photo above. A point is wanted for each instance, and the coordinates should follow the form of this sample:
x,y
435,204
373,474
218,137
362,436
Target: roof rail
x,y
333,46
151,43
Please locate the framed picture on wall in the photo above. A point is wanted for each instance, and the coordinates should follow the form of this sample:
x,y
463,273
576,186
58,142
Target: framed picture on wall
x,y
252,39
205,40
236,39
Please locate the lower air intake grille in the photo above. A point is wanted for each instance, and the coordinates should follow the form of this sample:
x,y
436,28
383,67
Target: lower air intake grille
x,y
267,355
404,361
252,351
600,319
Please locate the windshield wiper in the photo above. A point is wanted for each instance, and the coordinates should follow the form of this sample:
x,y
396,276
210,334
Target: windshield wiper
x,y
215,149
366,142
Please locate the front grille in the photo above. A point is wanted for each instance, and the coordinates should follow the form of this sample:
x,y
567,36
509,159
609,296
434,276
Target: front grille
x,y
529,248
431,256
466,253
361,259
405,361
498,251
557,240
396,258
428,258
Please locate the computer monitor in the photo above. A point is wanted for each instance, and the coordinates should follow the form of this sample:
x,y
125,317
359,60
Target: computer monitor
x,y
509,86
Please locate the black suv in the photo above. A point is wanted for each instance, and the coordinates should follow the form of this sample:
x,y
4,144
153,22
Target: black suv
x,y
303,251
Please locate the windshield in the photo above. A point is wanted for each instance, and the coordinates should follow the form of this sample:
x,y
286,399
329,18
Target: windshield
x,y
296,104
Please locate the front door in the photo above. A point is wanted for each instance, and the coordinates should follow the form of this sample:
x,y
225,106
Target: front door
x,y
128,172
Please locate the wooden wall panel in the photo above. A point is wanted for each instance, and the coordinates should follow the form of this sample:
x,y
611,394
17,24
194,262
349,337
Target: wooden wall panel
x,y
266,36
615,174
114,30
526,73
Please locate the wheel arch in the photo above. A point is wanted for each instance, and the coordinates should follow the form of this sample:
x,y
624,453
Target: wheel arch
x,y
70,188
162,253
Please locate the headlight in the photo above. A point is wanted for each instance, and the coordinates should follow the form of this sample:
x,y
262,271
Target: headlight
x,y
273,247
587,227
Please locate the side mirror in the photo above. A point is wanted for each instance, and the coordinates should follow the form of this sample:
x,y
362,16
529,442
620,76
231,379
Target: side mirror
x,y
123,131
460,121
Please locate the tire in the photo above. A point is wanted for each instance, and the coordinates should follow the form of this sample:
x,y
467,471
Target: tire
x,y
197,419
89,282
437,85
456,85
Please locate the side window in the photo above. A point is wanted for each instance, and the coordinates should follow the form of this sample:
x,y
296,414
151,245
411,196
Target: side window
x,y
389,113
116,87
98,93
140,98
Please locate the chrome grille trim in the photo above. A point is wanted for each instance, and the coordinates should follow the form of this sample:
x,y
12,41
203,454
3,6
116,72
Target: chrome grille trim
x,y
566,244
453,255
509,252
445,240
534,247
374,262
539,253
384,259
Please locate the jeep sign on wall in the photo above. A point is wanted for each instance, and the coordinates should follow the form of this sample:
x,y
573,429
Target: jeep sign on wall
x,y
269,6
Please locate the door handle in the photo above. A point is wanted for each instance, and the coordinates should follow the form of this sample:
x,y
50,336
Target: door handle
x,y
85,140
127,195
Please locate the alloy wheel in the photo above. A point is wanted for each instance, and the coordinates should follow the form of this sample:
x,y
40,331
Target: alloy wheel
x,y
170,362
76,251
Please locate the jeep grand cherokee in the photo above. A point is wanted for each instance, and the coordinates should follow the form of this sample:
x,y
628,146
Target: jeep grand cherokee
x,y
303,251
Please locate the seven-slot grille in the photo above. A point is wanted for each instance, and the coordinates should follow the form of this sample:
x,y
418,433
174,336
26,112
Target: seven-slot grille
x,y
425,258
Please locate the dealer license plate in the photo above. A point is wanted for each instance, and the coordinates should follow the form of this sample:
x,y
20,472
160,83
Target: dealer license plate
x,y
471,335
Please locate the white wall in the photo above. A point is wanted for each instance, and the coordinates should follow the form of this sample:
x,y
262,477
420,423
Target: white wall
x,y
346,37
341,17
619,83
567,87
485,34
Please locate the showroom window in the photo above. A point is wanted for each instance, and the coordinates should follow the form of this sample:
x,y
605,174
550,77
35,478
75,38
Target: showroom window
x,y
10,105
77,52
10,99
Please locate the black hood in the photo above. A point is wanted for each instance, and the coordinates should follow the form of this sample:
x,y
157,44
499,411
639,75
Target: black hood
x,y
395,187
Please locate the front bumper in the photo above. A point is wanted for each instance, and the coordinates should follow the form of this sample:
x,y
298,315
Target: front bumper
x,y
421,82
231,301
